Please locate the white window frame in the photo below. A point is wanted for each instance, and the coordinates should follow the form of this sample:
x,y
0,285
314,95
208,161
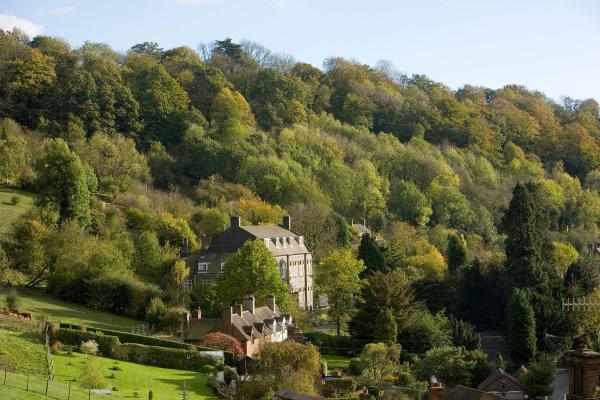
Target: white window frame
x,y
222,270
202,267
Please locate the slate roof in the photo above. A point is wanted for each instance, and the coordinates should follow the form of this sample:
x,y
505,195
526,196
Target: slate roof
x,y
361,229
466,393
233,238
281,394
498,374
260,323
522,369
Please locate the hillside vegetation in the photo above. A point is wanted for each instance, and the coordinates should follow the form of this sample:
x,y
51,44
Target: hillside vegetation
x,y
13,204
473,192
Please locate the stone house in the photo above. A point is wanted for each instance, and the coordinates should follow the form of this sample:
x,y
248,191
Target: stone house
x,y
249,324
289,250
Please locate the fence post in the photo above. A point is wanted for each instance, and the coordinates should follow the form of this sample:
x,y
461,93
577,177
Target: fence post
x,y
5,375
47,382
27,381
69,394
89,394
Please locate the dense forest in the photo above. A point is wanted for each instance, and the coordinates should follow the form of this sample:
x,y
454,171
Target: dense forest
x,y
132,155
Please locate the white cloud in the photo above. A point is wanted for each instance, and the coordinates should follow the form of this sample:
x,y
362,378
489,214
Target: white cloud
x,y
192,1
9,21
58,11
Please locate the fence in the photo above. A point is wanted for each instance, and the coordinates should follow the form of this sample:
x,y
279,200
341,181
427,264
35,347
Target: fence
x,y
49,357
43,385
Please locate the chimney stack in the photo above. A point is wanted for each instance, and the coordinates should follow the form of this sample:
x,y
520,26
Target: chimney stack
x,y
287,222
237,309
186,323
198,314
436,390
249,303
364,222
271,302
236,222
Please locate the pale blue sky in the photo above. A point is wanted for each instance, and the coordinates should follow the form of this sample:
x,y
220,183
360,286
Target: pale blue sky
x,y
552,46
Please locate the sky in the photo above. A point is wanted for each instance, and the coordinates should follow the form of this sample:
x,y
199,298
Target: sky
x,y
550,45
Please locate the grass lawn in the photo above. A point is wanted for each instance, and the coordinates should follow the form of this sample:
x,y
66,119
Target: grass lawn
x,y
164,383
22,351
10,212
13,393
334,361
70,312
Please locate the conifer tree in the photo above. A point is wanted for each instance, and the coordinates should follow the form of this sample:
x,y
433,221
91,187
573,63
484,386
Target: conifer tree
x,y
370,252
386,328
521,328
457,253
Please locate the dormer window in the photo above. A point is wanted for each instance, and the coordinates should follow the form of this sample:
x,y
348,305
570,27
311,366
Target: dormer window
x,y
202,268
301,240
222,267
267,242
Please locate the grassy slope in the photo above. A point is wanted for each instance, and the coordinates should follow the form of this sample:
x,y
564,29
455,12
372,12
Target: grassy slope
x,y
9,212
22,351
165,383
70,312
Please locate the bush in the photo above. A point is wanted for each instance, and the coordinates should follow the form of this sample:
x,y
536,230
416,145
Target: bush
x,y
156,312
107,344
229,374
338,388
332,344
15,200
91,374
253,390
354,368
222,341
324,369
208,369
12,299
89,347
56,347
164,357
172,321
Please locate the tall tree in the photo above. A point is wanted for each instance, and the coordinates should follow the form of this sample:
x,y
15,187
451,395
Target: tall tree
x,y
457,253
63,183
521,328
527,243
338,278
386,328
252,270
370,253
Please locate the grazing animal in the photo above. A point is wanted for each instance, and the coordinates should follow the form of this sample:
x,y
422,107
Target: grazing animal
x,y
26,315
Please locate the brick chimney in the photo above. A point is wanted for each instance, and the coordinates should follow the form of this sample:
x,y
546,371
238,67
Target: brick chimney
x,y
236,222
186,323
197,314
584,372
364,222
271,302
287,222
436,390
249,303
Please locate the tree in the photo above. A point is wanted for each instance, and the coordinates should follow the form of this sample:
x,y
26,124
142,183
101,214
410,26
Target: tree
x,y
526,242
156,312
386,328
381,291
252,270
457,253
179,275
448,364
63,183
538,380
338,278
370,253
563,256
409,203
521,328
222,341
583,276
289,366
379,362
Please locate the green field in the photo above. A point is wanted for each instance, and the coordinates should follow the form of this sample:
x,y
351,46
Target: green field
x,y
334,361
69,312
22,351
164,383
9,212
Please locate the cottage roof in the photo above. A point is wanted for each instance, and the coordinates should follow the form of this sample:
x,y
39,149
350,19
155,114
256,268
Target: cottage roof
x,y
285,395
233,238
499,373
361,229
254,323
466,393
522,369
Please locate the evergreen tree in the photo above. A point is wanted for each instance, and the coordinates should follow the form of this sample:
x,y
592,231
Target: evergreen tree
x,y
457,253
527,243
370,252
521,328
386,328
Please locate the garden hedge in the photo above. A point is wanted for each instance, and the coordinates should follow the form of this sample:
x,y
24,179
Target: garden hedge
x,y
338,387
333,344
107,344
165,357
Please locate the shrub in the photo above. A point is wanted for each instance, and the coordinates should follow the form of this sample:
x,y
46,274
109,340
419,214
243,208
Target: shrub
x,y
172,321
91,374
164,357
338,388
253,390
12,299
15,200
56,347
354,368
229,374
156,312
324,369
333,344
208,369
222,341
107,344
89,347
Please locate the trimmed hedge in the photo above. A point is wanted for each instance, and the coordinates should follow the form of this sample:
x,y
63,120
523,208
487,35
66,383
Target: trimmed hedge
x,y
165,357
107,344
126,337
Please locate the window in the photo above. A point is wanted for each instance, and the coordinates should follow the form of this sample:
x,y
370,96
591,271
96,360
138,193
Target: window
x,y
222,267
202,268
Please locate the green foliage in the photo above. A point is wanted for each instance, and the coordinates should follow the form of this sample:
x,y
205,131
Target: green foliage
x,y
379,362
457,253
338,278
463,334
339,388
11,300
165,357
409,203
254,390
333,344
370,253
63,184
538,380
521,328
252,270
386,328
449,364
156,312
91,375
107,344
